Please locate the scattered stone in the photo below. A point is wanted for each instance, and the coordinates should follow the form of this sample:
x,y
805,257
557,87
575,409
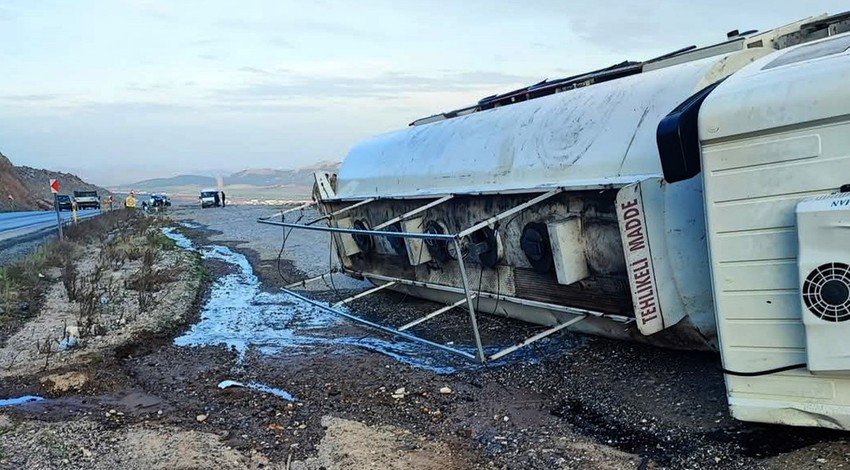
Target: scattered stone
x,y
61,383
446,391
399,393
201,418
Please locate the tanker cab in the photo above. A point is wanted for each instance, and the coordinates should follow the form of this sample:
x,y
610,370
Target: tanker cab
x,y
771,145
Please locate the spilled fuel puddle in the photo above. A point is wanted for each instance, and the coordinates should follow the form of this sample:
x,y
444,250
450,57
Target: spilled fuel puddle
x,y
258,387
239,315
19,400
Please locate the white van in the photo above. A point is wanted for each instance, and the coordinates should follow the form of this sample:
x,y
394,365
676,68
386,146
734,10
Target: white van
x,y
209,198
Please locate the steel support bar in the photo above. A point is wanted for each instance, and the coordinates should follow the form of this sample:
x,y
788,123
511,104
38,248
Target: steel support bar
x,y
354,231
472,318
407,215
364,294
505,298
280,213
433,314
538,336
383,328
304,282
509,212
341,211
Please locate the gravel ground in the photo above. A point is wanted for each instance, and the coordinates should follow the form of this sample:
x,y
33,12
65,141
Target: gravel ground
x,y
572,402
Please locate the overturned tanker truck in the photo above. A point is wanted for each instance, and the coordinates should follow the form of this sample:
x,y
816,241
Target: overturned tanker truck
x,y
697,200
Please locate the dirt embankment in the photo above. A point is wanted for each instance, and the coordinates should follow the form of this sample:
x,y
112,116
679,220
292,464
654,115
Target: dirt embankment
x,y
67,311
36,181
14,194
24,189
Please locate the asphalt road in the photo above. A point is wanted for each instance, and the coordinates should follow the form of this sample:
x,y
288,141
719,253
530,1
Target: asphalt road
x,y
14,225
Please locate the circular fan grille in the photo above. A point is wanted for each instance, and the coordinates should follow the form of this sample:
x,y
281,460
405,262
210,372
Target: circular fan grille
x,y
826,292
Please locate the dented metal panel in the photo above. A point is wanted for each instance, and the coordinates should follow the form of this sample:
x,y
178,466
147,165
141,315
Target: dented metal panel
x,y
663,233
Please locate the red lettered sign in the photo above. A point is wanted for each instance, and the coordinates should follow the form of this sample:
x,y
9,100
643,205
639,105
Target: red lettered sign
x,y
639,260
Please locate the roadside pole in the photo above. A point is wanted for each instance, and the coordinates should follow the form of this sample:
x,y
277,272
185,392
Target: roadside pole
x,y
54,188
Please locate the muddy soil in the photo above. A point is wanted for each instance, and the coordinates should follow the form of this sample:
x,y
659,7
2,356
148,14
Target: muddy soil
x,y
317,392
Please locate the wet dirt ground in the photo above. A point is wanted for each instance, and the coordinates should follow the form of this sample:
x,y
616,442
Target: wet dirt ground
x,y
569,402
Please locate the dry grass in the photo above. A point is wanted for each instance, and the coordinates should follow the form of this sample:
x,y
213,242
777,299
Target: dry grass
x,y
120,238
22,283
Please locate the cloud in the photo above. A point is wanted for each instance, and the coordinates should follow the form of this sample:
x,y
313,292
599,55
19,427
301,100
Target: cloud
x,y
298,27
153,9
266,108
31,97
383,86
128,109
254,70
147,88
280,42
666,25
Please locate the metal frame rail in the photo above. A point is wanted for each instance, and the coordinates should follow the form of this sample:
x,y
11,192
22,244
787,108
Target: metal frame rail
x,y
466,291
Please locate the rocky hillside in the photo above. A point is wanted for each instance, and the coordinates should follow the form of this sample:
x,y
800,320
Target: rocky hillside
x,y
24,188
14,194
37,180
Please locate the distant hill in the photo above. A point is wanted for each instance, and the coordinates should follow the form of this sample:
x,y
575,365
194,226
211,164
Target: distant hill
x,y
271,177
14,194
260,183
162,184
24,188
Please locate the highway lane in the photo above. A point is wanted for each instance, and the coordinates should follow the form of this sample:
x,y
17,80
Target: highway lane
x,y
20,224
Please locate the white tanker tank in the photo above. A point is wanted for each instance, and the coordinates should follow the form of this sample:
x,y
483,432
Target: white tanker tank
x,y
651,201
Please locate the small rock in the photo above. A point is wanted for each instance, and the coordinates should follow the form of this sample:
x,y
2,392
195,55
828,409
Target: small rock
x,y
201,418
399,393
445,390
821,460
506,419
112,411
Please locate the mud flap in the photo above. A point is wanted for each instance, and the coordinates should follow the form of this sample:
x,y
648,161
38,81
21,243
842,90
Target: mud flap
x,y
662,227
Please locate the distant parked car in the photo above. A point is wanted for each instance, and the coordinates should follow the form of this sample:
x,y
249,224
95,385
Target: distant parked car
x,y
157,200
64,202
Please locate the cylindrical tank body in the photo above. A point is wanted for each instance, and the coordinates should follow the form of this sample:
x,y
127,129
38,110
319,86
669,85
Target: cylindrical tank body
x,y
590,141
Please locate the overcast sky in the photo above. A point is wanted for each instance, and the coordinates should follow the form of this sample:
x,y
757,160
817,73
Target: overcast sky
x,y
121,90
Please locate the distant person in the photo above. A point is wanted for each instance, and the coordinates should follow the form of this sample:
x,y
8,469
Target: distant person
x,y
217,200
223,204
